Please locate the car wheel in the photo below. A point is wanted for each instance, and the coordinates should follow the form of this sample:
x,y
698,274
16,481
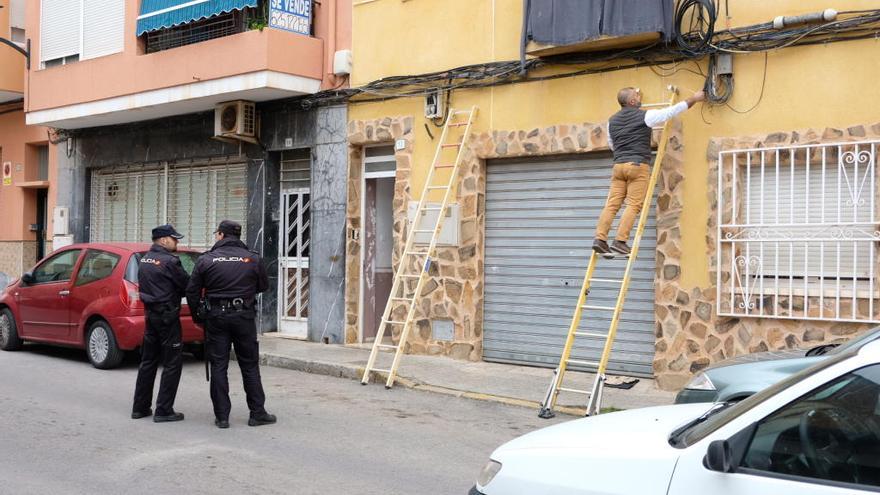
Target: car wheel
x,y
9,339
101,346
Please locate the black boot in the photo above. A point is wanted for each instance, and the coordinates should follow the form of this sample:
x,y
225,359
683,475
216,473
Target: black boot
x,y
168,418
262,419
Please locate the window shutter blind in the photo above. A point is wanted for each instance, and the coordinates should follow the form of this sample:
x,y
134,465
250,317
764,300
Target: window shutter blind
x,y
103,27
59,28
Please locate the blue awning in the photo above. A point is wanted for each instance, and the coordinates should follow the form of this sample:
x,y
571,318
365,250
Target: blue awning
x,y
161,14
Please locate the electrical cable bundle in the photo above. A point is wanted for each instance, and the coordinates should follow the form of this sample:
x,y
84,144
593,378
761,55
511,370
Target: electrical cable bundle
x,y
695,37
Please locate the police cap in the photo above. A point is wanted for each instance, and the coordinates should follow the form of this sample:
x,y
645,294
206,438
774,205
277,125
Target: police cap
x,y
166,230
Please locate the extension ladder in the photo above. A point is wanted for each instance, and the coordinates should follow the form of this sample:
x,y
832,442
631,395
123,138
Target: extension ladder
x,y
595,395
455,133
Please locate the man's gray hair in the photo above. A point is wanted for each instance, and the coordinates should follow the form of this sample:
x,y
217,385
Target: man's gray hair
x,y
624,94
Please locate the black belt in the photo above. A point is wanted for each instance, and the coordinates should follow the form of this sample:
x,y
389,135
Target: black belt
x,y
162,305
234,304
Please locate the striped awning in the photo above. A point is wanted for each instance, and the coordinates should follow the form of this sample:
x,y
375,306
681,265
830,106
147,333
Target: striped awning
x,y
161,14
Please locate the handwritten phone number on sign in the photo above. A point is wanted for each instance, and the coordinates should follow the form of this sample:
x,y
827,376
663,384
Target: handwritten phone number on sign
x,y
291,15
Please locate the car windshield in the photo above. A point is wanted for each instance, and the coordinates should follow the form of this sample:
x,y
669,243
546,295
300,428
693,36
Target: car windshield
x,y
722,413
187,259
856,344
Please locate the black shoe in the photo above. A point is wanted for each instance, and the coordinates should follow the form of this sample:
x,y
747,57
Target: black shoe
x,y
262,419
221,423
141,414
168,418
601,247
620,247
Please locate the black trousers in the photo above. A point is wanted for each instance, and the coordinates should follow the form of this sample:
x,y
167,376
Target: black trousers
x,y
162,340
236,329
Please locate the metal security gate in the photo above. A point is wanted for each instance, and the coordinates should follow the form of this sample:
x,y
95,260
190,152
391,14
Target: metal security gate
x,y
295,235
128,201
540,222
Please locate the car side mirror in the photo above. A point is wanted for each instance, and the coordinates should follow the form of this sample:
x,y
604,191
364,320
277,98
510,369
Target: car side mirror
x,y
719,457
28,278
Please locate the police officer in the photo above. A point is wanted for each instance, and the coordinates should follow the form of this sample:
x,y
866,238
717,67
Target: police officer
x,y
162,284
229,277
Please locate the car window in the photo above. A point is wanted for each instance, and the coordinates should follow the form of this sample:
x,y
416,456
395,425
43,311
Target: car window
x,y
58,268
97,265
187,259
703,426
831,434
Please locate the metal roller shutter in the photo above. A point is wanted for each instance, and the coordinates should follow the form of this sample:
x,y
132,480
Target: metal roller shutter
x,y
127,202
540,222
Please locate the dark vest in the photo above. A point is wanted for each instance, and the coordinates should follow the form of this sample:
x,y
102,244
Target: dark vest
x,y
630,135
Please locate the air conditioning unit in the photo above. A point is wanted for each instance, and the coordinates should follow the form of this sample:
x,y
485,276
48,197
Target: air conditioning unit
x,y
235,120
434,105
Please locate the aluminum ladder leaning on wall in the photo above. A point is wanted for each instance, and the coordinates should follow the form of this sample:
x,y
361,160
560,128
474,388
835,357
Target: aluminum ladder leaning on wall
x,y
595,395
456,132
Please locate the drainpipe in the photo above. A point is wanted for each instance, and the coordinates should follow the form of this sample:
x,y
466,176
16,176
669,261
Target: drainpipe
x,y
331,39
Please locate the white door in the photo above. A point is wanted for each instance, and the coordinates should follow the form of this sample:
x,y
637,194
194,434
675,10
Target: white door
x,y
293,263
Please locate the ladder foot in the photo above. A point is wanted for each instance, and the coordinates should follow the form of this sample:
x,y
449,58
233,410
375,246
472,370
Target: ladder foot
x,y
387,387
546,413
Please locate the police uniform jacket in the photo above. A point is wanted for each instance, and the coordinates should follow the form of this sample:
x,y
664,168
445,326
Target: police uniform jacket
x,y
161,277
228,271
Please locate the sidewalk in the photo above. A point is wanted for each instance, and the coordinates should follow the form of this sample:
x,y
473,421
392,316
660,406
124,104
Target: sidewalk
x,y
509,384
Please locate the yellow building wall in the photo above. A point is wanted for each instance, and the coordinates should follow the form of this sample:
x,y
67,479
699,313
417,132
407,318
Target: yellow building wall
x,y
832,85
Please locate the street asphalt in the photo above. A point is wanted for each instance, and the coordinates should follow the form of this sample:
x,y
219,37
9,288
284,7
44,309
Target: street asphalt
x,y
65,429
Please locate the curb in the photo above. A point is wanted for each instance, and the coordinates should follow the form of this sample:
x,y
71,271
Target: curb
x,y
356,373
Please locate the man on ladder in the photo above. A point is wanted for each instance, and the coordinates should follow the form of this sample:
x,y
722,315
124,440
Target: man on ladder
x,y
629,136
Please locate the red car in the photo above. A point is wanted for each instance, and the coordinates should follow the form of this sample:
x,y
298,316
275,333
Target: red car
x,y
86,296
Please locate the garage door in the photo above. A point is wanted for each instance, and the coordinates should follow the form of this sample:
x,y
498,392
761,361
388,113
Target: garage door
x,y
540,222
127,202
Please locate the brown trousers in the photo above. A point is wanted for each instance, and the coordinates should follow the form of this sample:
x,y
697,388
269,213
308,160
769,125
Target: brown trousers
x,y
629,183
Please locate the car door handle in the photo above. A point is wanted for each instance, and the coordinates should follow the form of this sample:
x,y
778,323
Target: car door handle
x,y
64,293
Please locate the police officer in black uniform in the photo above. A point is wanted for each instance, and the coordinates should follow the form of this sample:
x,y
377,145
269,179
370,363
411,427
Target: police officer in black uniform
x,y
162,282
228,278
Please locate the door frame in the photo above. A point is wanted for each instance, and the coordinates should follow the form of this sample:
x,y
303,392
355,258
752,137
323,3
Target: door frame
x,y
363,205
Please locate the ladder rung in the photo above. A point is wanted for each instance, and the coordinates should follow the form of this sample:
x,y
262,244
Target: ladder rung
x,y
590,334
437,187
461,112
453,145
444,166
458,124
582,363
401,298
386,346
599,308
394,322
606,280
562,389
418,253
410,276
423,231
433,208
381,370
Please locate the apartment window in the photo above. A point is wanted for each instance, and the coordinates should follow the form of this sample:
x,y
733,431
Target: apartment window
x,y
18,37
43,162
798,232
73,30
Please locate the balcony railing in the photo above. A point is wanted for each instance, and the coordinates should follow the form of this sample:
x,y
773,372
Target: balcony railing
x,y
237,21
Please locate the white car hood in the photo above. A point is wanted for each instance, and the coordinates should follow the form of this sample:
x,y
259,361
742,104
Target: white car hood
x,y
617,453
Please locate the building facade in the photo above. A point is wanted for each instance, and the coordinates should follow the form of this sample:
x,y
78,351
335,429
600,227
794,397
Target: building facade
x,y
763,231
186,112
27,193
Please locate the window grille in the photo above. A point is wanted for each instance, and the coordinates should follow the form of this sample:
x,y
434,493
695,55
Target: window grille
x,y
128,201
798,232
214,27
